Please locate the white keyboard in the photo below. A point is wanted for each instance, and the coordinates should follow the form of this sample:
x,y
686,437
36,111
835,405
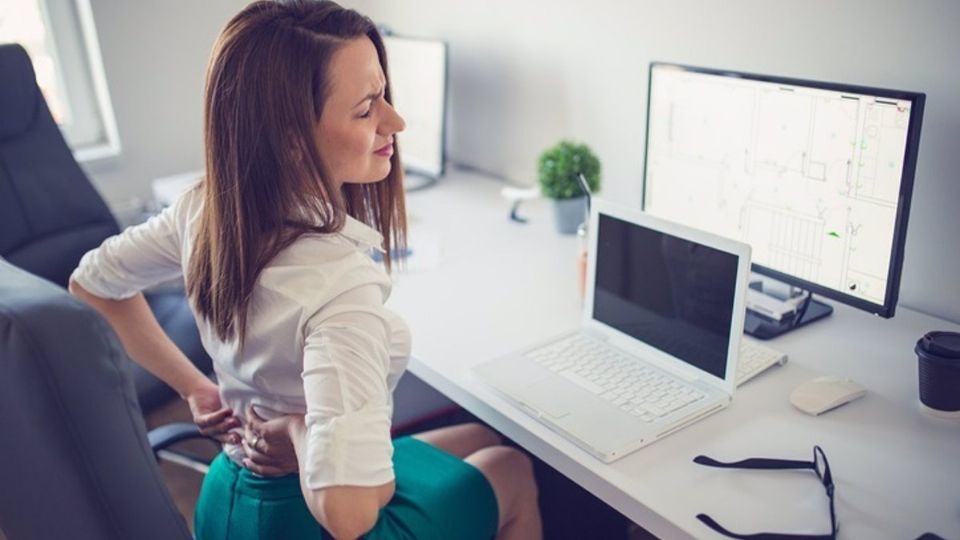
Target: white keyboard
x,y
639,390
645,393
756,358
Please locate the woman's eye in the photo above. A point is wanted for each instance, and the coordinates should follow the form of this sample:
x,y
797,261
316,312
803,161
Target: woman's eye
x,y
365,114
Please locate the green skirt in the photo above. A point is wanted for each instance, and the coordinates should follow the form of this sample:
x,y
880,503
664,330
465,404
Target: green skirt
x,y
438,496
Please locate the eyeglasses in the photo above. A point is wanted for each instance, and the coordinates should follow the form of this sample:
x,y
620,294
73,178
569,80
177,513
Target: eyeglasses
x,y
819,466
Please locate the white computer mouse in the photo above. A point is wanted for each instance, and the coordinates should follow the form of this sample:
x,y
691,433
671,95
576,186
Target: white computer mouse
x,y
825,393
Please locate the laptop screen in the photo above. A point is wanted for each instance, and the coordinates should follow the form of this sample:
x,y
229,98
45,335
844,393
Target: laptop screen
x,y
671,293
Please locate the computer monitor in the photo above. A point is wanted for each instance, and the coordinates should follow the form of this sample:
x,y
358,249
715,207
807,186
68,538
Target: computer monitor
x,y
816,177
418,80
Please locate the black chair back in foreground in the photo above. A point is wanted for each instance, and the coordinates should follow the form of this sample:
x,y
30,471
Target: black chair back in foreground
x,y
74,458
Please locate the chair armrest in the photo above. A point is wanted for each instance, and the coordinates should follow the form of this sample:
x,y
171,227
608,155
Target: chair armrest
x,y
162,437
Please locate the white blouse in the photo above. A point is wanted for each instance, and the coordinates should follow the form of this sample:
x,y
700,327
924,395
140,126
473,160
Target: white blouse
x,y
319,340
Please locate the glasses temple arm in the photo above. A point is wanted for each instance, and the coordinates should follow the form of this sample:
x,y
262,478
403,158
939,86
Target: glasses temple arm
x,y
710,522
755,463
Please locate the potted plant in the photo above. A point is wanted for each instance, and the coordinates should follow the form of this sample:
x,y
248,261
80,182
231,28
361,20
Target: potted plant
x,y
558,168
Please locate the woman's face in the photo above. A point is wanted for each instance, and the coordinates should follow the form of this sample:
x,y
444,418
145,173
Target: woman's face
x,y
356,128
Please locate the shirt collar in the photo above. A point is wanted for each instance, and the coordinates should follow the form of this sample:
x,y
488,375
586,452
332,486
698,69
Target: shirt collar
x,y
362,234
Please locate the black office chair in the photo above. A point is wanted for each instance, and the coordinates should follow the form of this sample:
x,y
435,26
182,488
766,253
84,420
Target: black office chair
x,y
50,213
75,461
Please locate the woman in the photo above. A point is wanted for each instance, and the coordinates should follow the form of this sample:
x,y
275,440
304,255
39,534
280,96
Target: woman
x,y
302,180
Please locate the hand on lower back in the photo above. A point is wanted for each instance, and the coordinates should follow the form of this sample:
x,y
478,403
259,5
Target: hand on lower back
x,y
213,419
270,451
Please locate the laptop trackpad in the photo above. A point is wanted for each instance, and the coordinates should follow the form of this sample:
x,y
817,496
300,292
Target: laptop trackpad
x,y
545,397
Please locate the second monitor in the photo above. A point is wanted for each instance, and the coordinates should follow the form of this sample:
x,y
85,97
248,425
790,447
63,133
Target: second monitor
x,y
418,77
816,177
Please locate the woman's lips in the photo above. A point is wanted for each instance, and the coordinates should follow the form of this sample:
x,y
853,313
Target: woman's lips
x,y
385,151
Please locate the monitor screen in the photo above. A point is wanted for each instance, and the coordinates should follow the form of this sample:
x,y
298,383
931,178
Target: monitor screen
x,y
418,83
671,293
816,177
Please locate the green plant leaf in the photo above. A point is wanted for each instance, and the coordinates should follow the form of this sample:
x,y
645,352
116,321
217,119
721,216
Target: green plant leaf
x,y
559,165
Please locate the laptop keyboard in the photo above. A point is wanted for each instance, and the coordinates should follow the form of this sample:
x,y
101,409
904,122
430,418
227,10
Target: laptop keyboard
x,y
755,359
634,388
645,393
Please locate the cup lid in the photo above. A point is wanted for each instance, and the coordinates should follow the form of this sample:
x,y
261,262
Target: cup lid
x,y
946,344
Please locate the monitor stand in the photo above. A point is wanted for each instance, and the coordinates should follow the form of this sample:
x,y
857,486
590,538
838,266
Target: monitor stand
x,y
764,327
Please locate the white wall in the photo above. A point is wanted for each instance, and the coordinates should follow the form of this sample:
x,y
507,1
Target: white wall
x,y
155,57
524,74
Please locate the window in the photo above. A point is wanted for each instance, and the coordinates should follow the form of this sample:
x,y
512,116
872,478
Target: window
x,y
60,37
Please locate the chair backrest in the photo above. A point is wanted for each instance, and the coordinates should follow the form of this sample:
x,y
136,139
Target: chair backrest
x,y
74,457
50,213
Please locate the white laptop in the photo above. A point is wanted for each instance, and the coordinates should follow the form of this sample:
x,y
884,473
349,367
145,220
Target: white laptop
x,y
657,349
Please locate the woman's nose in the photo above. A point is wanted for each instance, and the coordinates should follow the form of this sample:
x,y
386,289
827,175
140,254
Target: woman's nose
x,y
395,122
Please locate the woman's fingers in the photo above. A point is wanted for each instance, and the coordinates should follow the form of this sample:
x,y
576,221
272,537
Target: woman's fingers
x,y
220,428
257,452
227,438
218,425
268,449
222,435
263,432
214,418
251,437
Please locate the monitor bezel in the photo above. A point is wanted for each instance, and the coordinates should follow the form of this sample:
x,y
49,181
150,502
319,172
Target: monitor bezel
x,y
917,99
386,33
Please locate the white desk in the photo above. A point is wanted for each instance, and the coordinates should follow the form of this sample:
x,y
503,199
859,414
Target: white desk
x,y
501,286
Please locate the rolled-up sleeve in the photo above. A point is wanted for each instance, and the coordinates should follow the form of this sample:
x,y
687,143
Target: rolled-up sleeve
x,y
139,257
345,365
400,347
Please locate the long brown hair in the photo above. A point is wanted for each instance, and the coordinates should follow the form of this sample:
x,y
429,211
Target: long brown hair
x,y
265,182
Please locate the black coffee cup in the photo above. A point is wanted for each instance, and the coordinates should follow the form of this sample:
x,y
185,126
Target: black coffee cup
x,y
939,357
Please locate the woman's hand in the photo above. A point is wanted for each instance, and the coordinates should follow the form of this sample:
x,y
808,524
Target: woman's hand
x,y
269,449
213,419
